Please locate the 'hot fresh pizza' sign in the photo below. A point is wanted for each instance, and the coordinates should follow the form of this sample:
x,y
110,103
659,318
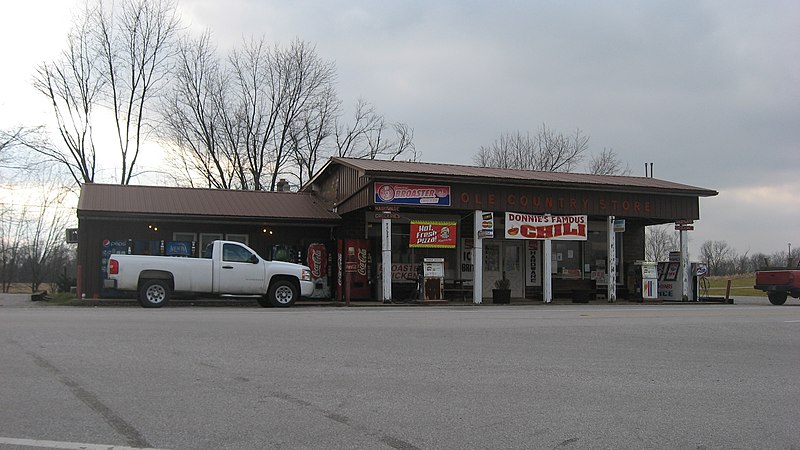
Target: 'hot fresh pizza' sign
x,y
533,226
432,234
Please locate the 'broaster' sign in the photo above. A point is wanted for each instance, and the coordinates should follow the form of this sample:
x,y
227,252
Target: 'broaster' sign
x,y
533,226
412,194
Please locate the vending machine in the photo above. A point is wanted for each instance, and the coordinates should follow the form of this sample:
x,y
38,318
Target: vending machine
x,y
317,261
352,262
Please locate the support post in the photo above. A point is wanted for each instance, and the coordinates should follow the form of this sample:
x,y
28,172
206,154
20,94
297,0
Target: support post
x,y
386,259
684,266
547,271
612,260
477,260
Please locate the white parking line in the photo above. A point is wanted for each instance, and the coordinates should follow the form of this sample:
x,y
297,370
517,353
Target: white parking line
x,y
66,445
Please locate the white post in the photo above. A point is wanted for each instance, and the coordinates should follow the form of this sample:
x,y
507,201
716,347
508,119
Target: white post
x,y
386,259
612,260
477,260
684,266
547,271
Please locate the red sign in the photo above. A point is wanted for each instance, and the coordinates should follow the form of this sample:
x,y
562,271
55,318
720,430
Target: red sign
x,y
532,226
432,234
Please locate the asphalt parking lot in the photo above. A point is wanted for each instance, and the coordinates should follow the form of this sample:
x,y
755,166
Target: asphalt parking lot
x,y
494,376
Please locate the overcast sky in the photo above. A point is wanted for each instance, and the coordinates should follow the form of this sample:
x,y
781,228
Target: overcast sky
x,y
707,91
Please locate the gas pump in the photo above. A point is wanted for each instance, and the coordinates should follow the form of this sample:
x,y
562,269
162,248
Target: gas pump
x,y
645,280
433,278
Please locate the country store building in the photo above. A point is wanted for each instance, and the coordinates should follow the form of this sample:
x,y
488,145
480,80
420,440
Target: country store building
x,y
366,227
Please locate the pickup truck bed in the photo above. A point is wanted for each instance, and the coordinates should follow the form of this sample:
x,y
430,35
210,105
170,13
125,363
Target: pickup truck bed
x,y
778,284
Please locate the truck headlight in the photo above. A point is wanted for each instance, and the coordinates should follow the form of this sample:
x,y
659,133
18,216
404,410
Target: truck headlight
x,y
306,275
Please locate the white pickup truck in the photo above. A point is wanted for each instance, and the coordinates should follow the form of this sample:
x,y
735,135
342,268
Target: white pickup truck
x,y
226,269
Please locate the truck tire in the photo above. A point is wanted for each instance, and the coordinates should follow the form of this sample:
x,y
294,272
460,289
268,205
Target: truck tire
x,y
154,293
264,302
777,298
283,293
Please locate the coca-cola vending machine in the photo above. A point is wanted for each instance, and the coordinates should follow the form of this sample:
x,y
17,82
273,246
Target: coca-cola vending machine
x,y
317,261
352,260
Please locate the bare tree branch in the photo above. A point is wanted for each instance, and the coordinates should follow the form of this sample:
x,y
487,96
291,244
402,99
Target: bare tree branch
x,y
608,163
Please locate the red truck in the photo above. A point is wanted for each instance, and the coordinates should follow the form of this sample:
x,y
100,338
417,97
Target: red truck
x,y
779,284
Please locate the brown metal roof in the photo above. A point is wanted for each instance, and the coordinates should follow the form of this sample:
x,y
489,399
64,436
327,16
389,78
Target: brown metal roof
x,y
438,171
157,200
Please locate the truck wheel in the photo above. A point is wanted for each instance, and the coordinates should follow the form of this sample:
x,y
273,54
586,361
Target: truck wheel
x,y
154,293
777,298
264,302
283,293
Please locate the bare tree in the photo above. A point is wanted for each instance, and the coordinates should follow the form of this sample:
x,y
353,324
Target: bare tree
x,y
608,163
277,90
548,151
313,130
716,254
72,85
350,137
659,241
11,242
135,48
45,240
193,118
304,78
365,137
119,56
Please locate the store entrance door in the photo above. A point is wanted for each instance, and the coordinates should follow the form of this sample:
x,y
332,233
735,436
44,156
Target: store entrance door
x,y
503,256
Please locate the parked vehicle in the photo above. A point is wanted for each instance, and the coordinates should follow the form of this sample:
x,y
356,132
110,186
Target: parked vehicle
x,y
779,284
226,269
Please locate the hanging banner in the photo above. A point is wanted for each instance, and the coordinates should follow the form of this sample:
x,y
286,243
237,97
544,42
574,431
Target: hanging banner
x,y
412,194
534,264
426,234
532,226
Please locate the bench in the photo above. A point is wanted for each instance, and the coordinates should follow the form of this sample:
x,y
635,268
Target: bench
x,y
456,289
580,291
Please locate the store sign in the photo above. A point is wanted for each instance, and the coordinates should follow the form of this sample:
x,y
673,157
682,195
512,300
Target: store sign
x,y
425,234
532,226
487,226
412,194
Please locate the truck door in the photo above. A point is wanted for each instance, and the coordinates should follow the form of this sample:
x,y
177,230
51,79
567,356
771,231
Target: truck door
x,y
240,271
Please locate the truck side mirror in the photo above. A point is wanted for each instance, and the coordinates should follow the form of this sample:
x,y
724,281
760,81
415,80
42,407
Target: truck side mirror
x,y
253,259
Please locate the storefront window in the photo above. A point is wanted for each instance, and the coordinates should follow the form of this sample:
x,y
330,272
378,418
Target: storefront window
x,y
597,253
567,259
405,258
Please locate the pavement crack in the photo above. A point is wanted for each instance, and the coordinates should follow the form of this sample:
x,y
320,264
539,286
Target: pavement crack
x,y
390,441
128,431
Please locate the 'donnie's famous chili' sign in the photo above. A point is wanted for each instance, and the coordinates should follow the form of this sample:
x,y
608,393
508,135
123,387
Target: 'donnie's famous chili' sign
x,y
432,234
533,226
412,194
